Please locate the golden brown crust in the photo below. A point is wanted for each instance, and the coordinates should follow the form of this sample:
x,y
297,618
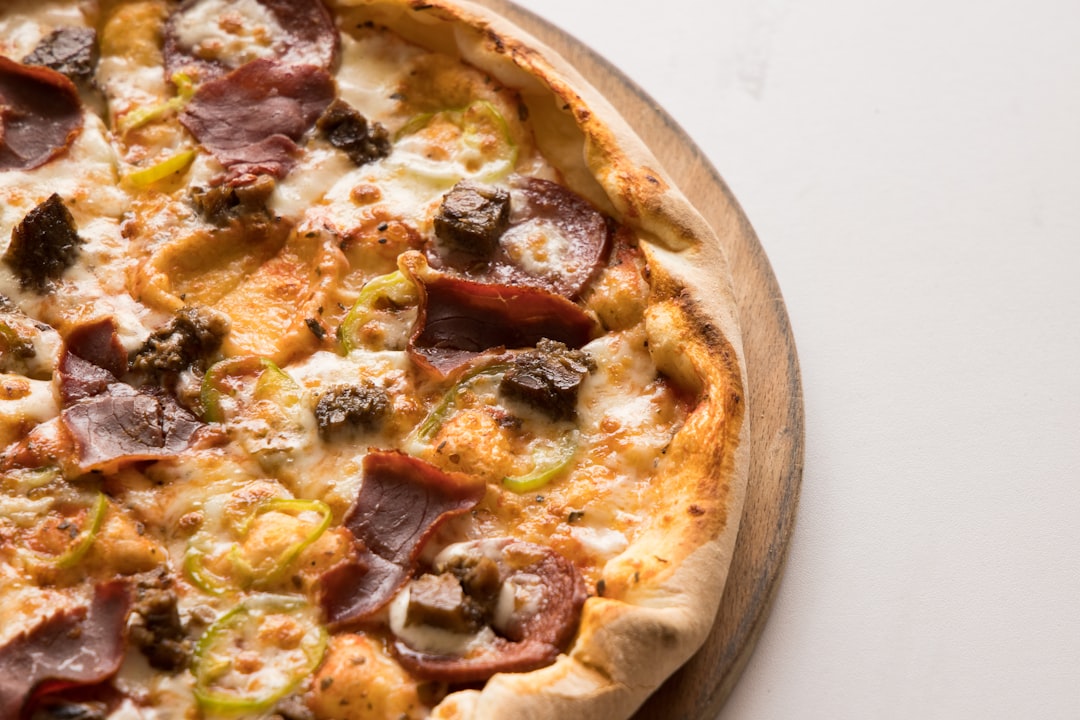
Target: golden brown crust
x,y
660,595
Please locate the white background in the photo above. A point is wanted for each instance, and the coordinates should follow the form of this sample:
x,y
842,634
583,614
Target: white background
x,y
913,171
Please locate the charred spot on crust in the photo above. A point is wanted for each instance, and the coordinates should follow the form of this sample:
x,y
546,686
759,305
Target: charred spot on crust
x,y
548,378
472,217
344,409
190,338
69,50
157,630
43,245
221,203
346,129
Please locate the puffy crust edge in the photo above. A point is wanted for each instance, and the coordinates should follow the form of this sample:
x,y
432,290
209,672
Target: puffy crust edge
x,y
662,593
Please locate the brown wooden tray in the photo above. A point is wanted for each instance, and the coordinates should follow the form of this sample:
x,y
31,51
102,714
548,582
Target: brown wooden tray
x,y
774,393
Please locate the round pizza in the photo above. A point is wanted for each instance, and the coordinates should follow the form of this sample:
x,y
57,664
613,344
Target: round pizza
x,y
357,362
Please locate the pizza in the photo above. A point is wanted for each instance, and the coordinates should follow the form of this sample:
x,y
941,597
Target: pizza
x,y
356,362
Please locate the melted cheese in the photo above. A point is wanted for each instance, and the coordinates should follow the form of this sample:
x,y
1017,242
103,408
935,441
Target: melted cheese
x,y
231,31
28,21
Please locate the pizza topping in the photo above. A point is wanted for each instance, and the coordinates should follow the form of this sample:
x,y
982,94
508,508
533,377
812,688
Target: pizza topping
x,y
77,646
91,361
156,629
402,501
221,203
343,410
548,378
526,597
67,543
125,425
269,540
256,654
252,118
360,681
446,146
97,343
393,290
348,130
460,319
556,239
190,339
472,217
209,37
43,245
40,115
69,50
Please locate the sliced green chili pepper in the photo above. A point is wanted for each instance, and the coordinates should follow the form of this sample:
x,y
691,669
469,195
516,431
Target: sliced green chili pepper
x,y
546,468
214,382
214,584
544,472
185,89
475,120
83,541
434,420
394,286
285,561
169,166
219,689
202,578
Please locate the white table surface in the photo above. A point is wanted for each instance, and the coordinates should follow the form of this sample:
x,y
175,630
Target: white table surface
x,y
913,171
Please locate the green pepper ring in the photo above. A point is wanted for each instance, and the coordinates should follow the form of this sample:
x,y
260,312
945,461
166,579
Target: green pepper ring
x,y
230,702
218,585
539,476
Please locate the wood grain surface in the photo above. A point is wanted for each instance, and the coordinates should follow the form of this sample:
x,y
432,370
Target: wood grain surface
x,y
774,393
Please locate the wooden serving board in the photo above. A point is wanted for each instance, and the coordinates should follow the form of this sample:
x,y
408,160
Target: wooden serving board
x,y
774,393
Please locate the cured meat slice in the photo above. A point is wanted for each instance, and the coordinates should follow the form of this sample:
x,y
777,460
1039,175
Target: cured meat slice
x,y
125,425
40,115
77,646
541,235
402,501
460,319
107,420
535,612
252,118
210,37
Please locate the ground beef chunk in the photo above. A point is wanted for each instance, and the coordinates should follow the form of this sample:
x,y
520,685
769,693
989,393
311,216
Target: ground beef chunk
x,y
343,410
548,378
156,629
43,245
222,203
440,601
472,217
189,339
69,50
348,130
